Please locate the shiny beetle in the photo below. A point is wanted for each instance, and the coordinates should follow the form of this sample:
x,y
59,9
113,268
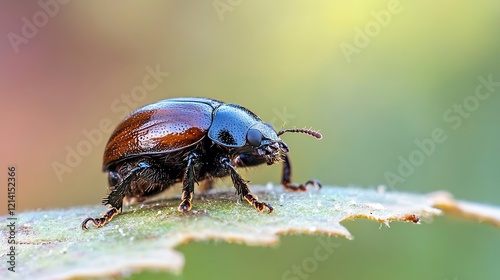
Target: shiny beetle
x,y
189,140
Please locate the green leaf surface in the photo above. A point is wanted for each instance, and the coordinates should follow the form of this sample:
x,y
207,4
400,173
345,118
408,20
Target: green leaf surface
x,y
52,245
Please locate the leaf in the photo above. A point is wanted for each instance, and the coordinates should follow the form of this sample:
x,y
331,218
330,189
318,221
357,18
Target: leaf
x,y
51,244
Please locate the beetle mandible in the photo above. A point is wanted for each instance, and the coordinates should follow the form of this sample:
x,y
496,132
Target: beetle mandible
x,y
190,140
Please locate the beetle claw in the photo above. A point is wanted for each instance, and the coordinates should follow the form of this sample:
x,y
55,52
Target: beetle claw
x,y
268,206
314,183
260,206
302,187
100,222
84,223
185,206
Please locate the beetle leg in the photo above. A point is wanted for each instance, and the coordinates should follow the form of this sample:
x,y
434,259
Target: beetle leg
x,y
115,198
188,184
99,222
287,175
243,190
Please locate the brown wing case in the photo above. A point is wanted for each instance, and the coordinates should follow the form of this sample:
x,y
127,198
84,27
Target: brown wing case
x,y
161,127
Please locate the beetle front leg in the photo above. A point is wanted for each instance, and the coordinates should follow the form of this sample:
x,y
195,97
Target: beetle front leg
x,y
287,175
243,190
188,184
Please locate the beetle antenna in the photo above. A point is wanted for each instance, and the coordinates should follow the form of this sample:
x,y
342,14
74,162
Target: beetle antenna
x,y
310,132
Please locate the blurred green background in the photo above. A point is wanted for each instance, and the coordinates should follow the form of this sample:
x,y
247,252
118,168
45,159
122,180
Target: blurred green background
x,y
373,76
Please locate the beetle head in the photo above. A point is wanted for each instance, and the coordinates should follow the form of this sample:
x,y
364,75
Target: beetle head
x,y
235,127
267,142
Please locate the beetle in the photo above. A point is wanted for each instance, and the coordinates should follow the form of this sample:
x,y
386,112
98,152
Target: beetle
x,y
190,140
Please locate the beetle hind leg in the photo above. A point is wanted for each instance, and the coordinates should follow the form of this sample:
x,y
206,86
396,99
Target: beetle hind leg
x,y
101,221
115,198
287,175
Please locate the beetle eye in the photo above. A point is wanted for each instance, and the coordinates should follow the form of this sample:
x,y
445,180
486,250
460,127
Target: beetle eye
x,y
254,137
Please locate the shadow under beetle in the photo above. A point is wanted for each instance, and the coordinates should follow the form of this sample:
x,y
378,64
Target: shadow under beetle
x,y
190,140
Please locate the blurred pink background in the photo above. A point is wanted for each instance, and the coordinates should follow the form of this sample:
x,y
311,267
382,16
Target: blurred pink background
x,y
64,80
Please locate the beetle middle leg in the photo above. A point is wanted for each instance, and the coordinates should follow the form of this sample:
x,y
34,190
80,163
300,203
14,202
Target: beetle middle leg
x,y
188,184
287,176
243,190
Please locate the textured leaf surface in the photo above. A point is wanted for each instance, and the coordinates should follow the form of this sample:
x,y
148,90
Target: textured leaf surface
x,y
51,244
